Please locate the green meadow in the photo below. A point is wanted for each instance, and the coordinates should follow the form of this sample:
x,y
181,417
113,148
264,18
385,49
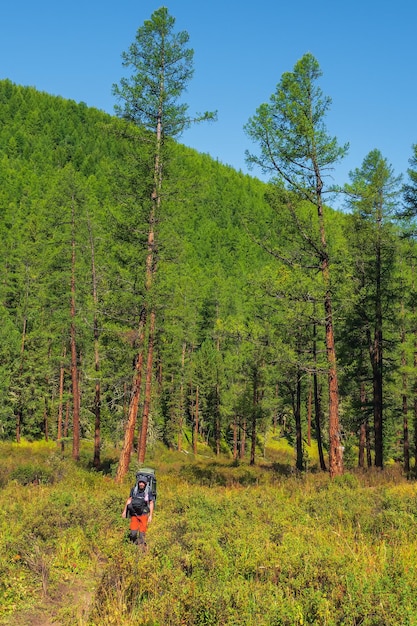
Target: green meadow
x,y
230,544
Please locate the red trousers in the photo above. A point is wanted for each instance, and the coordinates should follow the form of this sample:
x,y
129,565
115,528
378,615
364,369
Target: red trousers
x,y
139,523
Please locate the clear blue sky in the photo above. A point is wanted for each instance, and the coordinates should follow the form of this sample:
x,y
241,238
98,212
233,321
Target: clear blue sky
x,y
366,49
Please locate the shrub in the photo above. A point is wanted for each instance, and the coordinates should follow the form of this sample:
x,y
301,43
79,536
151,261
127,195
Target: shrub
x,y
32,473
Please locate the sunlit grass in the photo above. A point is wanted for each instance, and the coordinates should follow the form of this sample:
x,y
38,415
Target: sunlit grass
x,y
230,544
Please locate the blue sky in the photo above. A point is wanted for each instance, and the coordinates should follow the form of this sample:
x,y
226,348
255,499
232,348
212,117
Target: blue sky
x,y
366,49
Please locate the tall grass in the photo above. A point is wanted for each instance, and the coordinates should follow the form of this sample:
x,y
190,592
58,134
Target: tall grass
x,y
229,545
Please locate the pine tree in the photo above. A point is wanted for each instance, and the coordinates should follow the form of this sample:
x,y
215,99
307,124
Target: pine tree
x,y
296,148
373,197
162,66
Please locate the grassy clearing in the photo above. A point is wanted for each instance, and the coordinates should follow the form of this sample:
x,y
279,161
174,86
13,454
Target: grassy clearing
x,y
230,545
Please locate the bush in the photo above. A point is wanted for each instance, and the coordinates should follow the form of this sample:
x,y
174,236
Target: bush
x,y
31,473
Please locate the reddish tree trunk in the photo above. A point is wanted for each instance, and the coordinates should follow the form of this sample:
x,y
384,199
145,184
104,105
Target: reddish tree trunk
x,y
150,270
317,403
148,391
129,435
335,444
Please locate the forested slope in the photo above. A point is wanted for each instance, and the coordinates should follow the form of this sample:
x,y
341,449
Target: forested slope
x,y
239,340
68,187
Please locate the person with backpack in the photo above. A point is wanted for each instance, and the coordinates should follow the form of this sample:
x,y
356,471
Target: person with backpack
x,y
139,507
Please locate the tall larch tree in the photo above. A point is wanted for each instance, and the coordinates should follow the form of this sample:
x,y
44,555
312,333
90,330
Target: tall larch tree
x,y
295,147
162,66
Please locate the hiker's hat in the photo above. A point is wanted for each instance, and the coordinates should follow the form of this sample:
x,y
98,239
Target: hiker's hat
x,y
141,478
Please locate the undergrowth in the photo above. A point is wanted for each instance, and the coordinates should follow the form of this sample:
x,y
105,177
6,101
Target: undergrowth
x,y
230,544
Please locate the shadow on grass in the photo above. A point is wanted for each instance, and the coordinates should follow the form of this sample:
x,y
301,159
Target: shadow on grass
x,y
232,473
106,466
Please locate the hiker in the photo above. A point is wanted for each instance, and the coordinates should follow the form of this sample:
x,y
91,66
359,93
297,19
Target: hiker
x,y
139,507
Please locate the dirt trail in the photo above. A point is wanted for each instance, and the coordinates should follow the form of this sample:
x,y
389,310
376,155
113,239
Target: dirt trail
x,y
69,604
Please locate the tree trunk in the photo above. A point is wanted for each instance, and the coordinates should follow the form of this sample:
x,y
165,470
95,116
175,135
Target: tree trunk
x,y
242,447
296,408
406,440
368,446
148,391
335,444
97,417
377,359
218,423
406,444
377,392
362,429
317,403
309,413
97,393
299,436
235,430
195,431
181,406
74,357
19,407
362,445
275,413
67,418
45,419
66,424
129,435
150,270
61,397
254,416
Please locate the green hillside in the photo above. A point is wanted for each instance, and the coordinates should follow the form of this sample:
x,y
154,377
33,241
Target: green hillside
x,y
240,332
55,153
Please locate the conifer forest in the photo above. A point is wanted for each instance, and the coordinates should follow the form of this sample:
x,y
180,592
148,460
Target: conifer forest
x,y
152,295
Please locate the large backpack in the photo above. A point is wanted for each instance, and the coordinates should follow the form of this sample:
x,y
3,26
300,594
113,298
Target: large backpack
x,y
140,499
